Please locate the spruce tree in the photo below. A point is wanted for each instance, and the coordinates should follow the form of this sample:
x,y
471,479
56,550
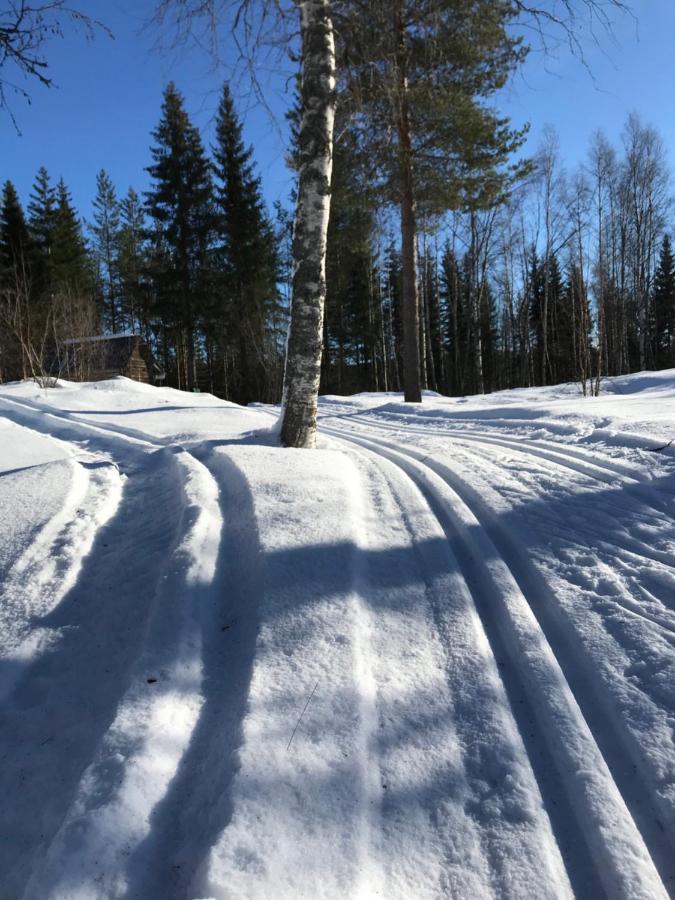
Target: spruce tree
x,y
15,243
15,275
131,254
456,318
105,234
41,208
549,317
664,306
391,310
489,329
248,257
432,350
536,285
573,330
70,270
179,204
41,211
561,343
352,321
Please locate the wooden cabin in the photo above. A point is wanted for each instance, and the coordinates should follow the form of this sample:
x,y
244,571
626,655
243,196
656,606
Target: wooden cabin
x,y
105,356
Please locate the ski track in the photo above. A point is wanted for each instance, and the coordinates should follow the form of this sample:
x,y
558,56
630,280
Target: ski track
x,y
305,764
600,469
119,824
49,567
110,776
625,866
476,818
625,551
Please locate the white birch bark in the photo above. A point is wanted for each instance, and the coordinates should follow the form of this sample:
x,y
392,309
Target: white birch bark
x,y
303,353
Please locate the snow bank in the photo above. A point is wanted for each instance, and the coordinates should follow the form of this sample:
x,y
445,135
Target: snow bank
x,y
434,658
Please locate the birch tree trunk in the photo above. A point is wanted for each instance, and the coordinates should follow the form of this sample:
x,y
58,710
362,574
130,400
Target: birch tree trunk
x,y
303,354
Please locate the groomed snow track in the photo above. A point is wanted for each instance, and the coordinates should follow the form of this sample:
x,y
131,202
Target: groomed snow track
x,y
620,823
168,586
599,793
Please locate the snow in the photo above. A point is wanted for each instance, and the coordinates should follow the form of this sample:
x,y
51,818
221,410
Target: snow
x,y
434,657
100,337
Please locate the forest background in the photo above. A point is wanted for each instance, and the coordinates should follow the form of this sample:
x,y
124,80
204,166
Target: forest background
x,y
570,277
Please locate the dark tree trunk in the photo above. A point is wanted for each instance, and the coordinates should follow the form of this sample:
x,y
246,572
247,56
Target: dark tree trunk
x,y
410,299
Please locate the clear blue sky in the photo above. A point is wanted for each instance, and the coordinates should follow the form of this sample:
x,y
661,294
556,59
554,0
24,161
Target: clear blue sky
x,y
109,97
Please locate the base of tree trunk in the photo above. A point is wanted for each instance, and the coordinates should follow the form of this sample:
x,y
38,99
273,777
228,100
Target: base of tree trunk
x,y
298,428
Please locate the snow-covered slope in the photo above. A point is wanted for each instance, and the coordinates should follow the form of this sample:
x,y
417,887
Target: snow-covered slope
x,y
434,658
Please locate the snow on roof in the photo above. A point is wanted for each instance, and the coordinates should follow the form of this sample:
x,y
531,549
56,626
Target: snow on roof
x,y
100,337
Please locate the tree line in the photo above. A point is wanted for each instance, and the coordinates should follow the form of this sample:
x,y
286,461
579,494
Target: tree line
x,y
193,266
503,273
417,82
568,278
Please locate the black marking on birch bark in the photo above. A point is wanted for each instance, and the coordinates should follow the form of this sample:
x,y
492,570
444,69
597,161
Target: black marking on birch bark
x,y
303,354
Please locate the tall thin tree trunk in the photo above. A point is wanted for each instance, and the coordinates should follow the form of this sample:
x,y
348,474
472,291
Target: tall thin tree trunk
x,y
315,140
422,298
430,365
383,341
410,299
395,381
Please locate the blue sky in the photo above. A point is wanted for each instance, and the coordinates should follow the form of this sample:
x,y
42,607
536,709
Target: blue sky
x,y
109,97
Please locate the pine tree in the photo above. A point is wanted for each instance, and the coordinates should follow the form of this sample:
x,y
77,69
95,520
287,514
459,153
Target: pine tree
x,y
105,233
248,259
664,306
179,203
420,73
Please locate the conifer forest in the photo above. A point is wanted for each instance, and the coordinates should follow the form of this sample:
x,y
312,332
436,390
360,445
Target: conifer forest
x,y
526,272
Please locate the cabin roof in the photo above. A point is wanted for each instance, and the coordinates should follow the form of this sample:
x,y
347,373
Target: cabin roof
x,y
112,352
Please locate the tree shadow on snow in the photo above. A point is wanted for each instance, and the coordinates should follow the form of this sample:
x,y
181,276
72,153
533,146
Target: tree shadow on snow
x,y
65,701
197,805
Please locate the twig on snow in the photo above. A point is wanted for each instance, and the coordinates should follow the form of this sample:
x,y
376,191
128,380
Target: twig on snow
x,y
301,715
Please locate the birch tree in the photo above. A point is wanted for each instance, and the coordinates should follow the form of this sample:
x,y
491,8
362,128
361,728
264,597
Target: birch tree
x,y
645,183
254,23
315,158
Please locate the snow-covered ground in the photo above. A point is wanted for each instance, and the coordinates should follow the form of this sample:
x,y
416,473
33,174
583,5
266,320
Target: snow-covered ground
x,y
434,658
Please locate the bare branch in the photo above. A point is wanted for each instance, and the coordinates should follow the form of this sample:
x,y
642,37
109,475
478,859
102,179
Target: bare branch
x,y
25,28
262,33
570,21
